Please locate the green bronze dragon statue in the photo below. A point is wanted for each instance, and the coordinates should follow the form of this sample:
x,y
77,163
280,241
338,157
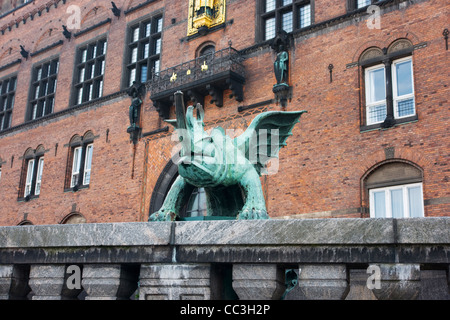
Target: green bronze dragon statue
x,y
228,169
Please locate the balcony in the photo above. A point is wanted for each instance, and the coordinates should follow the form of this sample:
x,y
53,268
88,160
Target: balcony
x,y
210,74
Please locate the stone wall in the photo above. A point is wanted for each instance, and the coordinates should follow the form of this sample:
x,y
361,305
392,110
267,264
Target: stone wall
x,y
321,168
326,259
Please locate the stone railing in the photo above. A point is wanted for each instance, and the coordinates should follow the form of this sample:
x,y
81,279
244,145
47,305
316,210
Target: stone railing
x,y
325,259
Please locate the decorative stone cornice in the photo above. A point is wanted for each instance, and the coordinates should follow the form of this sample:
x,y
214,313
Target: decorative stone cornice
x,y
29,15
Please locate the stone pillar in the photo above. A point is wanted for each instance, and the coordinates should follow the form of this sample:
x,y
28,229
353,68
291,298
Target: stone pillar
x,y
258,282
433,285
6,275
109,281
323,282
448,277
175,282
358,285
398,282
14,282
47,281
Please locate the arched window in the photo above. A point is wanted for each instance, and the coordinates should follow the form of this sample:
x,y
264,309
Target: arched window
x,y
25,223
388,85
73,218
207,50
31,176
196,205
79,162
394,190
205,54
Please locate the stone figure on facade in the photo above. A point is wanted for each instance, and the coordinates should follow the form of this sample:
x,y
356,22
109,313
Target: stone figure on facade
x,y
280,44
204,7
134,111
281,65
228,169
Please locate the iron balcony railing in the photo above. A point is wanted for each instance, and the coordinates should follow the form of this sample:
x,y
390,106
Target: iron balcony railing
x,y
194,71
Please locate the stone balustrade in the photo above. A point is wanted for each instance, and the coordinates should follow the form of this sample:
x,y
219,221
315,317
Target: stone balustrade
x,y
333,259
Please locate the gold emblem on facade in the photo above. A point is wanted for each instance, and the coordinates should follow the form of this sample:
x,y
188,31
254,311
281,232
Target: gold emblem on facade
x,y
204,66
205,14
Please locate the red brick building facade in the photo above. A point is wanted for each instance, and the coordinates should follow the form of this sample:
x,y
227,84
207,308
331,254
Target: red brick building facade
x,y
374,82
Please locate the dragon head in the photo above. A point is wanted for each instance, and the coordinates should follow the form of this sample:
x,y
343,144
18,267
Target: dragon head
x,y
198,155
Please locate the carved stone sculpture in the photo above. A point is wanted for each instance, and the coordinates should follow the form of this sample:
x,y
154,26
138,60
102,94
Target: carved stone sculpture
x,y
228,169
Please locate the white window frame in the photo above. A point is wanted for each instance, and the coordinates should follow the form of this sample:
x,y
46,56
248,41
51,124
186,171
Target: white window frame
x,y
387,190
37,190
76,164
368,86
29,177
395,97
88,163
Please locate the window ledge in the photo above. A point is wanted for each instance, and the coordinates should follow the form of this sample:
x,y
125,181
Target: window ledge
x,y
27,198
76,188
378,126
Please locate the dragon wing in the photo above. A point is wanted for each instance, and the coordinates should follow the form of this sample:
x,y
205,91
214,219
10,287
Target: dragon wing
x,y
266,135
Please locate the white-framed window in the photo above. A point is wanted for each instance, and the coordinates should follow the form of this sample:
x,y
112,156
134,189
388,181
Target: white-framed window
x,y
81,165
403,88
375,94
40,168
76,164
401,201
402,91
29,180
87,164
33,176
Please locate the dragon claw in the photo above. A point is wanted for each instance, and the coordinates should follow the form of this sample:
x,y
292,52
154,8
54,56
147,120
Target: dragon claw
x,y
163,215
251,214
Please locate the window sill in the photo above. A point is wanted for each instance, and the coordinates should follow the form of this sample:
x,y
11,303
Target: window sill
x,y
364,9
378,126
27,198
76,188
